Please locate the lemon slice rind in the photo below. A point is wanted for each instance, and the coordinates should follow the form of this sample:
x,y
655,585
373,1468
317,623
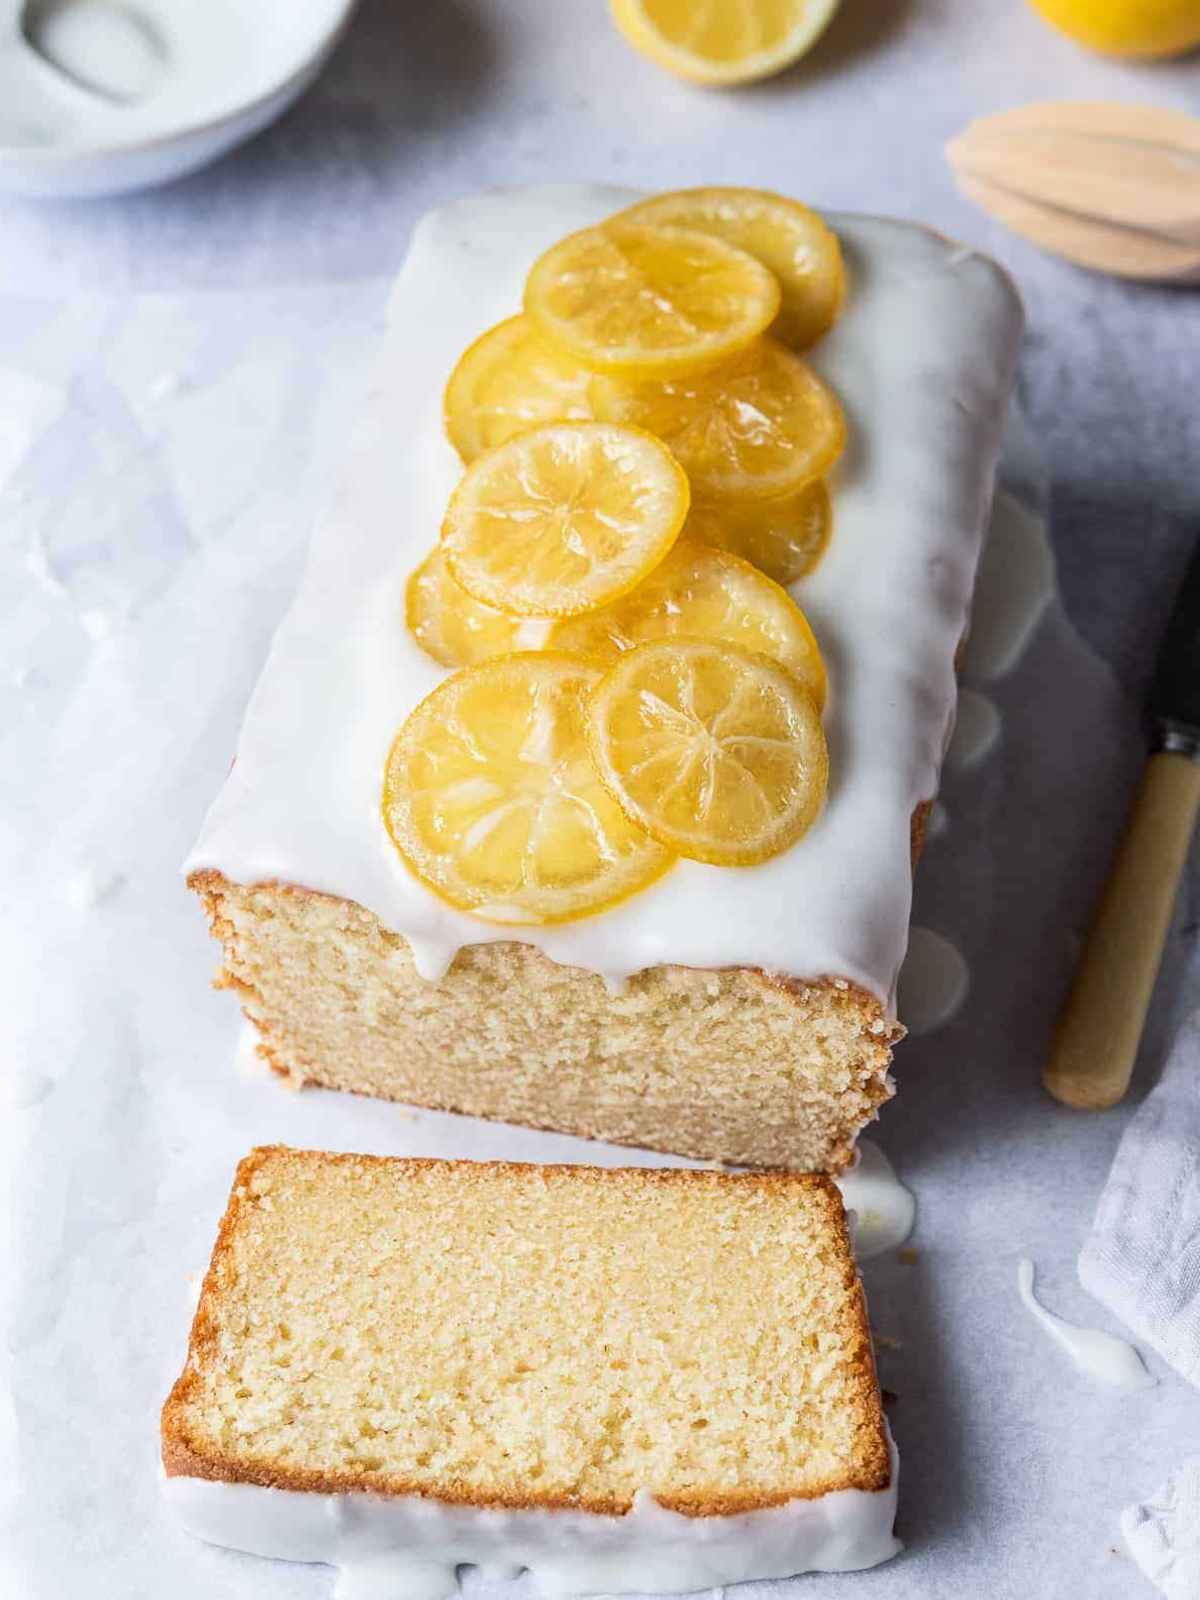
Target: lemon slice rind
x,y
491,799
700,592
759,427
564,518
508,380
793,241
715,751
454,628
650,302
784,537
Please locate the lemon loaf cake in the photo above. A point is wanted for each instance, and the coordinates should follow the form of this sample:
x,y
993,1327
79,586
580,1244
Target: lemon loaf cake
x,y
650,730
622,1379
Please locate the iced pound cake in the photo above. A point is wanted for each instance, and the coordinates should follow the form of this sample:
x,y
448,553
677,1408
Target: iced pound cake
x,y
583,783
621,1379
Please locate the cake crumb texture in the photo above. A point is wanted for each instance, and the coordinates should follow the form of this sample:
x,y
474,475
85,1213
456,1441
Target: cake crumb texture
x,y
525,1336
730,1065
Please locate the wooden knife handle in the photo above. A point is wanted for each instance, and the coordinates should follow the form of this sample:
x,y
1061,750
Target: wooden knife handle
x,y
1101,1024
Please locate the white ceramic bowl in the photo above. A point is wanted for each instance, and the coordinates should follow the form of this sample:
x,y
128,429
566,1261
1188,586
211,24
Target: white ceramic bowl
x,y
232,67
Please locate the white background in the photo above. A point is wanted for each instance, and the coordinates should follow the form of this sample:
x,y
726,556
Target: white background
x,y
176,371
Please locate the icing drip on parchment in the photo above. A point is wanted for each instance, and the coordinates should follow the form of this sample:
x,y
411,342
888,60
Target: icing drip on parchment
x,y
1015,585
976,730
883,1210
933,981
1100,1355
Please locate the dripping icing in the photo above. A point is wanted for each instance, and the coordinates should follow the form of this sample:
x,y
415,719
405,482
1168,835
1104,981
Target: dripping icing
x,y
1101,1355
883,1209
933,981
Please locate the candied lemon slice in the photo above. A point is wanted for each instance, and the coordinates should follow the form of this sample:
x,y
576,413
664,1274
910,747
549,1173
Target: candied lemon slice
x,y
759,427
707,594
793,241
650,302
492,799
564,518
511,379
722,41
455,628
784,538
716,751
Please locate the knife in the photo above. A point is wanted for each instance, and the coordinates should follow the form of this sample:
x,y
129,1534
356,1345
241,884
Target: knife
x,y
1101,1024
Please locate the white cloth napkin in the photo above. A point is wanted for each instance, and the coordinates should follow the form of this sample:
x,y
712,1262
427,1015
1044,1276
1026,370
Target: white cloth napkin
x,y
1163,1535
1142,1257
1142,1260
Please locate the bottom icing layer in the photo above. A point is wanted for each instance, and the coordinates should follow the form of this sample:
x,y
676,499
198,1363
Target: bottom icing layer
x,y
408,1547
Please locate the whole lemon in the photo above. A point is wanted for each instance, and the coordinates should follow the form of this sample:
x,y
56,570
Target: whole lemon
x,y
1127,27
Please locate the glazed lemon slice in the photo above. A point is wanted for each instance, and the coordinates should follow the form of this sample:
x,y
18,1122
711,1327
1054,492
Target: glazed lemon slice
x,y
784,235
784,538
760,427
650,302
723,41
491,798
716,751
455,628
510,379
707,594
564,518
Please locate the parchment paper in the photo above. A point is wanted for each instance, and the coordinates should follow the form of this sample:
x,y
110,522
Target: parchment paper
x,y
166,433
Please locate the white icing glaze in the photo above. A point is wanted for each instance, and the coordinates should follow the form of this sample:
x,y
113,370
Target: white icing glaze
x,y
88,888
1100,1355
882,1209
976,730
933,981
922,360
407,1548
1016,584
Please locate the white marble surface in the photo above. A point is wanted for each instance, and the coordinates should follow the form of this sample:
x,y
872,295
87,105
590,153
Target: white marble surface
x,y
175,373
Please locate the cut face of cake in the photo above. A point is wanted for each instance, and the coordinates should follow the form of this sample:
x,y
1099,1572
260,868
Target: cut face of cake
x,y
621,1379
721,988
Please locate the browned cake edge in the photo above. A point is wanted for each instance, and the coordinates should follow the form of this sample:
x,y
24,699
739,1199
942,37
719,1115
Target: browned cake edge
x,y
183,1456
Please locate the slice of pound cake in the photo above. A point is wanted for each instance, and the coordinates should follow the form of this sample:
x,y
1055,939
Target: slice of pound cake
x,y
583,783
621,1379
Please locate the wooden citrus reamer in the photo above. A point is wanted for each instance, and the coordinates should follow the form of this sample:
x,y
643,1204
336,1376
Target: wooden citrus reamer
x,y
1110,186
1101,1024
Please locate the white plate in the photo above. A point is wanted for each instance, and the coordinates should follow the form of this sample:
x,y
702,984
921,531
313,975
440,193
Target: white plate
x,y
201,77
